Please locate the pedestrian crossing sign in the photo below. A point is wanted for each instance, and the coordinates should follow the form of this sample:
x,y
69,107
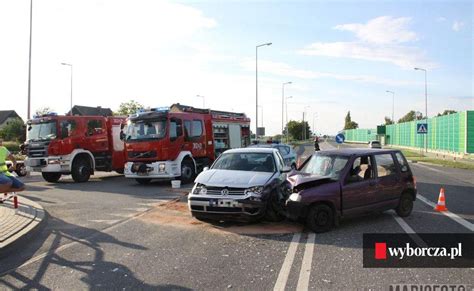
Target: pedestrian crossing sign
x,y
422,128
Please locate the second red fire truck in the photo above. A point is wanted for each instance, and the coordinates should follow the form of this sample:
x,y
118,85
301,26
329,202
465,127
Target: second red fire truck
x,y
179,141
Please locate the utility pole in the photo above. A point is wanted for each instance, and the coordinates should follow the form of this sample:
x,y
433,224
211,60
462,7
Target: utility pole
x,y
29,62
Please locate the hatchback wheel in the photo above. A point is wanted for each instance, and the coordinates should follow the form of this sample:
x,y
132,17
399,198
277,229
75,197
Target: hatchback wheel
x,y
405,206
320,218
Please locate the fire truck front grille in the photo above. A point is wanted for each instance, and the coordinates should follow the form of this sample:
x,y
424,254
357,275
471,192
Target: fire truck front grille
x,y
142,155
37,150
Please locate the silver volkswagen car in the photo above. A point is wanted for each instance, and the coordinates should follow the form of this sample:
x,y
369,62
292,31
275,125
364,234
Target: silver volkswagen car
x,y
242,184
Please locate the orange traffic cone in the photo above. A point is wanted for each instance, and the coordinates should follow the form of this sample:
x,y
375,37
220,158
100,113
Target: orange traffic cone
x,y
441,206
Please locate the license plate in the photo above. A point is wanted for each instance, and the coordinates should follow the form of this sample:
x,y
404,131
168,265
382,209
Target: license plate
x,y
227,203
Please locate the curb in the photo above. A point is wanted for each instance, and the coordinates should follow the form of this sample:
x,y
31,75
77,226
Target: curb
x,y
27,233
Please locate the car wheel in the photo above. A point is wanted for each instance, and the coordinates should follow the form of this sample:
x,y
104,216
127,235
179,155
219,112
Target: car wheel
x,y
274,211
51,177
405,206
21,170
81,170
144,181
187,172
320,218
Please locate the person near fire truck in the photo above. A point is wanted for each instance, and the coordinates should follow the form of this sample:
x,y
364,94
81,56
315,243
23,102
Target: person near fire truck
x,y
8,183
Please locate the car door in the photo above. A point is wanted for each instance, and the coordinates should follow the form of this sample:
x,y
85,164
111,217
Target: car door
x,y
388,178
359,186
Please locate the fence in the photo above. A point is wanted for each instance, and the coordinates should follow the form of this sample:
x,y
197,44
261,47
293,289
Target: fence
x,y
452,133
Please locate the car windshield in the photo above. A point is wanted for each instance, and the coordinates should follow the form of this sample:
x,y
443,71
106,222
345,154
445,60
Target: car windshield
x,y
143,130
42,131
325,165
256,162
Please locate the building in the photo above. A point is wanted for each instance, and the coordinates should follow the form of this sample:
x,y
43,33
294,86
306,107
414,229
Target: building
x,y
90,111
7,116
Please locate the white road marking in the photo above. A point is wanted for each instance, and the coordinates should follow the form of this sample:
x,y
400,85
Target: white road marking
x,y
287,263
449,214
305,272
106,221
409,230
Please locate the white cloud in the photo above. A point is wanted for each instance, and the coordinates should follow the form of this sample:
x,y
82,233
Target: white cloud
x,y
382,30
457,25
378,40
285,70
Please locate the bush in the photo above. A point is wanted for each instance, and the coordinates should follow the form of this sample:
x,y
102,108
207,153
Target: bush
x,y
12,146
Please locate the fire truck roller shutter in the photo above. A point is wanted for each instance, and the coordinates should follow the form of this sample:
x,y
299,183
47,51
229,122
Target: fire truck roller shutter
x,y
235,136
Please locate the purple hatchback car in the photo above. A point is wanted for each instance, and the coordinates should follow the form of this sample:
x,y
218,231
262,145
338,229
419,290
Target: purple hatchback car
x,y
334,184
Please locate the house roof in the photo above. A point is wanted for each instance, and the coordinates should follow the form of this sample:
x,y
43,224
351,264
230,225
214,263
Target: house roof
x,y
5,114
90,111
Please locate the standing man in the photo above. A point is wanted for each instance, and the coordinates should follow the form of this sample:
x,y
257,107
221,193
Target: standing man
x,y
8,183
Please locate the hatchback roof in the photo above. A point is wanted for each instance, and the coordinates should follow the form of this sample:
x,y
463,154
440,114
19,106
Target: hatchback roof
x,y
357,151
251,150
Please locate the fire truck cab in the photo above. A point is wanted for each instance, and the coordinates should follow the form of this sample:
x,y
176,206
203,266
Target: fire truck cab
x,y
179,141
77,145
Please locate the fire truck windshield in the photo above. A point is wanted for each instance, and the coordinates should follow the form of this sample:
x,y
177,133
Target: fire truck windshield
x,y
145,130
42,131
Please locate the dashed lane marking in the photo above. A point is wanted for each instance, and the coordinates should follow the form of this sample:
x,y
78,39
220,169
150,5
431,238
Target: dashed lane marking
x,y
449,214
305,272
287,263
409,230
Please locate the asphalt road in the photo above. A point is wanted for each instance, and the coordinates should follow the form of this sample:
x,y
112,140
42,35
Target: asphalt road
x,y
101,235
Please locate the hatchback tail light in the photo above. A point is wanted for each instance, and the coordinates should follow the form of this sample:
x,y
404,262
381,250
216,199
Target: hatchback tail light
x,y
414,181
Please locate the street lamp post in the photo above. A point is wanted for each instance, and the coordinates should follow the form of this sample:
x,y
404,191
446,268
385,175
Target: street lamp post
x,y
69,65
261,107
286,107
256,86
203,103
282,103
29,62
393,104
426,105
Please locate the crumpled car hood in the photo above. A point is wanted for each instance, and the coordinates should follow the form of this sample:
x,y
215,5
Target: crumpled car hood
x,y
299,181
231,178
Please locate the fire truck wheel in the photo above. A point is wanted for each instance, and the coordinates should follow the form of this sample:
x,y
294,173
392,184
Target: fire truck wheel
x,y
51,177
81,170
143,181
21,170
187,172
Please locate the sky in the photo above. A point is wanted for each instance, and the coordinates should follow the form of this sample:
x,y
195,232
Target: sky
x,y
339,55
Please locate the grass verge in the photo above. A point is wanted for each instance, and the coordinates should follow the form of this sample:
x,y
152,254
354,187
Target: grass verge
x,y
444,163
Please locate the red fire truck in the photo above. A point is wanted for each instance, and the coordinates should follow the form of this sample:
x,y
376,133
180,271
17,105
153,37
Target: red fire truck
x,y
77,145
179,141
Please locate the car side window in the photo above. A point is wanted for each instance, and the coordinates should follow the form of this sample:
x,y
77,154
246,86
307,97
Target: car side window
x,y
280,160
402,162
361,170
197,128
385,165
67,128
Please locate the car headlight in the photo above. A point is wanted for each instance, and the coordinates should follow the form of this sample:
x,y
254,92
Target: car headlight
x,y
257,190
161,167
200,189
295,197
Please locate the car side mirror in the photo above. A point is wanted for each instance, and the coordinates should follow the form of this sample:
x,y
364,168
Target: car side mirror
x,y
205,169
122,135
286,169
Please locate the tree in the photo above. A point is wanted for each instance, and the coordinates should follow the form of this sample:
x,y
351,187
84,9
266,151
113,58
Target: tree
x,y
295,129
388,120
14,130
43,111
447,112
349,124
410,116
130,107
